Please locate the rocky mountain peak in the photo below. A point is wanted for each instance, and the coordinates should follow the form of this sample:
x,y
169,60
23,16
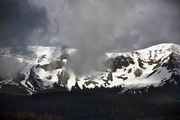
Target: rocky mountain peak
x,y
43,67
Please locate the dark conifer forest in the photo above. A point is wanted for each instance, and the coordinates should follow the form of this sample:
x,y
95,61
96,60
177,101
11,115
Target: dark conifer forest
x,y
160,103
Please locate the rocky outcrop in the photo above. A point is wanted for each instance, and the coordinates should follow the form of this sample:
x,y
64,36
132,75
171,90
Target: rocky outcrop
x,y
63,77
138,72
118,62
53,65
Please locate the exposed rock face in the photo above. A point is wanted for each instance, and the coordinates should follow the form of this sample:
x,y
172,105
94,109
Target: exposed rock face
x,y
63,77
34,81
141,64
91,82
138,72
53,65
173,62
118,62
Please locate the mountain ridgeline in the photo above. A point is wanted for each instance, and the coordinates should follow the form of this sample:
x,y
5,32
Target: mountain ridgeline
x,y
38,68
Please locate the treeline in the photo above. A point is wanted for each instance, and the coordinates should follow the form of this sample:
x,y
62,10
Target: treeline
x,y
86,106
100,103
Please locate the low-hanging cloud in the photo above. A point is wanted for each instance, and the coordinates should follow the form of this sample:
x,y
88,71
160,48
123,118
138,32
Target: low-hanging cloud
x,y
98,26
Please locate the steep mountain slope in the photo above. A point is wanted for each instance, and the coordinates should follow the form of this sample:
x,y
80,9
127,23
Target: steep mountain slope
x,y
39,67
141,68
45,67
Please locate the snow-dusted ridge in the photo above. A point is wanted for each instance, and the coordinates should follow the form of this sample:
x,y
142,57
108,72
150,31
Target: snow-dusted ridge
x,y
153,54
161,48
45,66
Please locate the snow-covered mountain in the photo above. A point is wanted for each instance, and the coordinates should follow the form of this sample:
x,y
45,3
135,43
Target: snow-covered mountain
x,y
42,68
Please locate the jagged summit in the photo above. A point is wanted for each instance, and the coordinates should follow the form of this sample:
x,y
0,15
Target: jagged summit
x,y
45,67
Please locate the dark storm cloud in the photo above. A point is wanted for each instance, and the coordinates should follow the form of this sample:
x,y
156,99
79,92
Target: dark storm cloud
x,y
21,22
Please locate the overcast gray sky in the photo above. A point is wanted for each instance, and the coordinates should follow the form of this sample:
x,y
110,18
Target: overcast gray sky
x,y
92,26
118,23
123,24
